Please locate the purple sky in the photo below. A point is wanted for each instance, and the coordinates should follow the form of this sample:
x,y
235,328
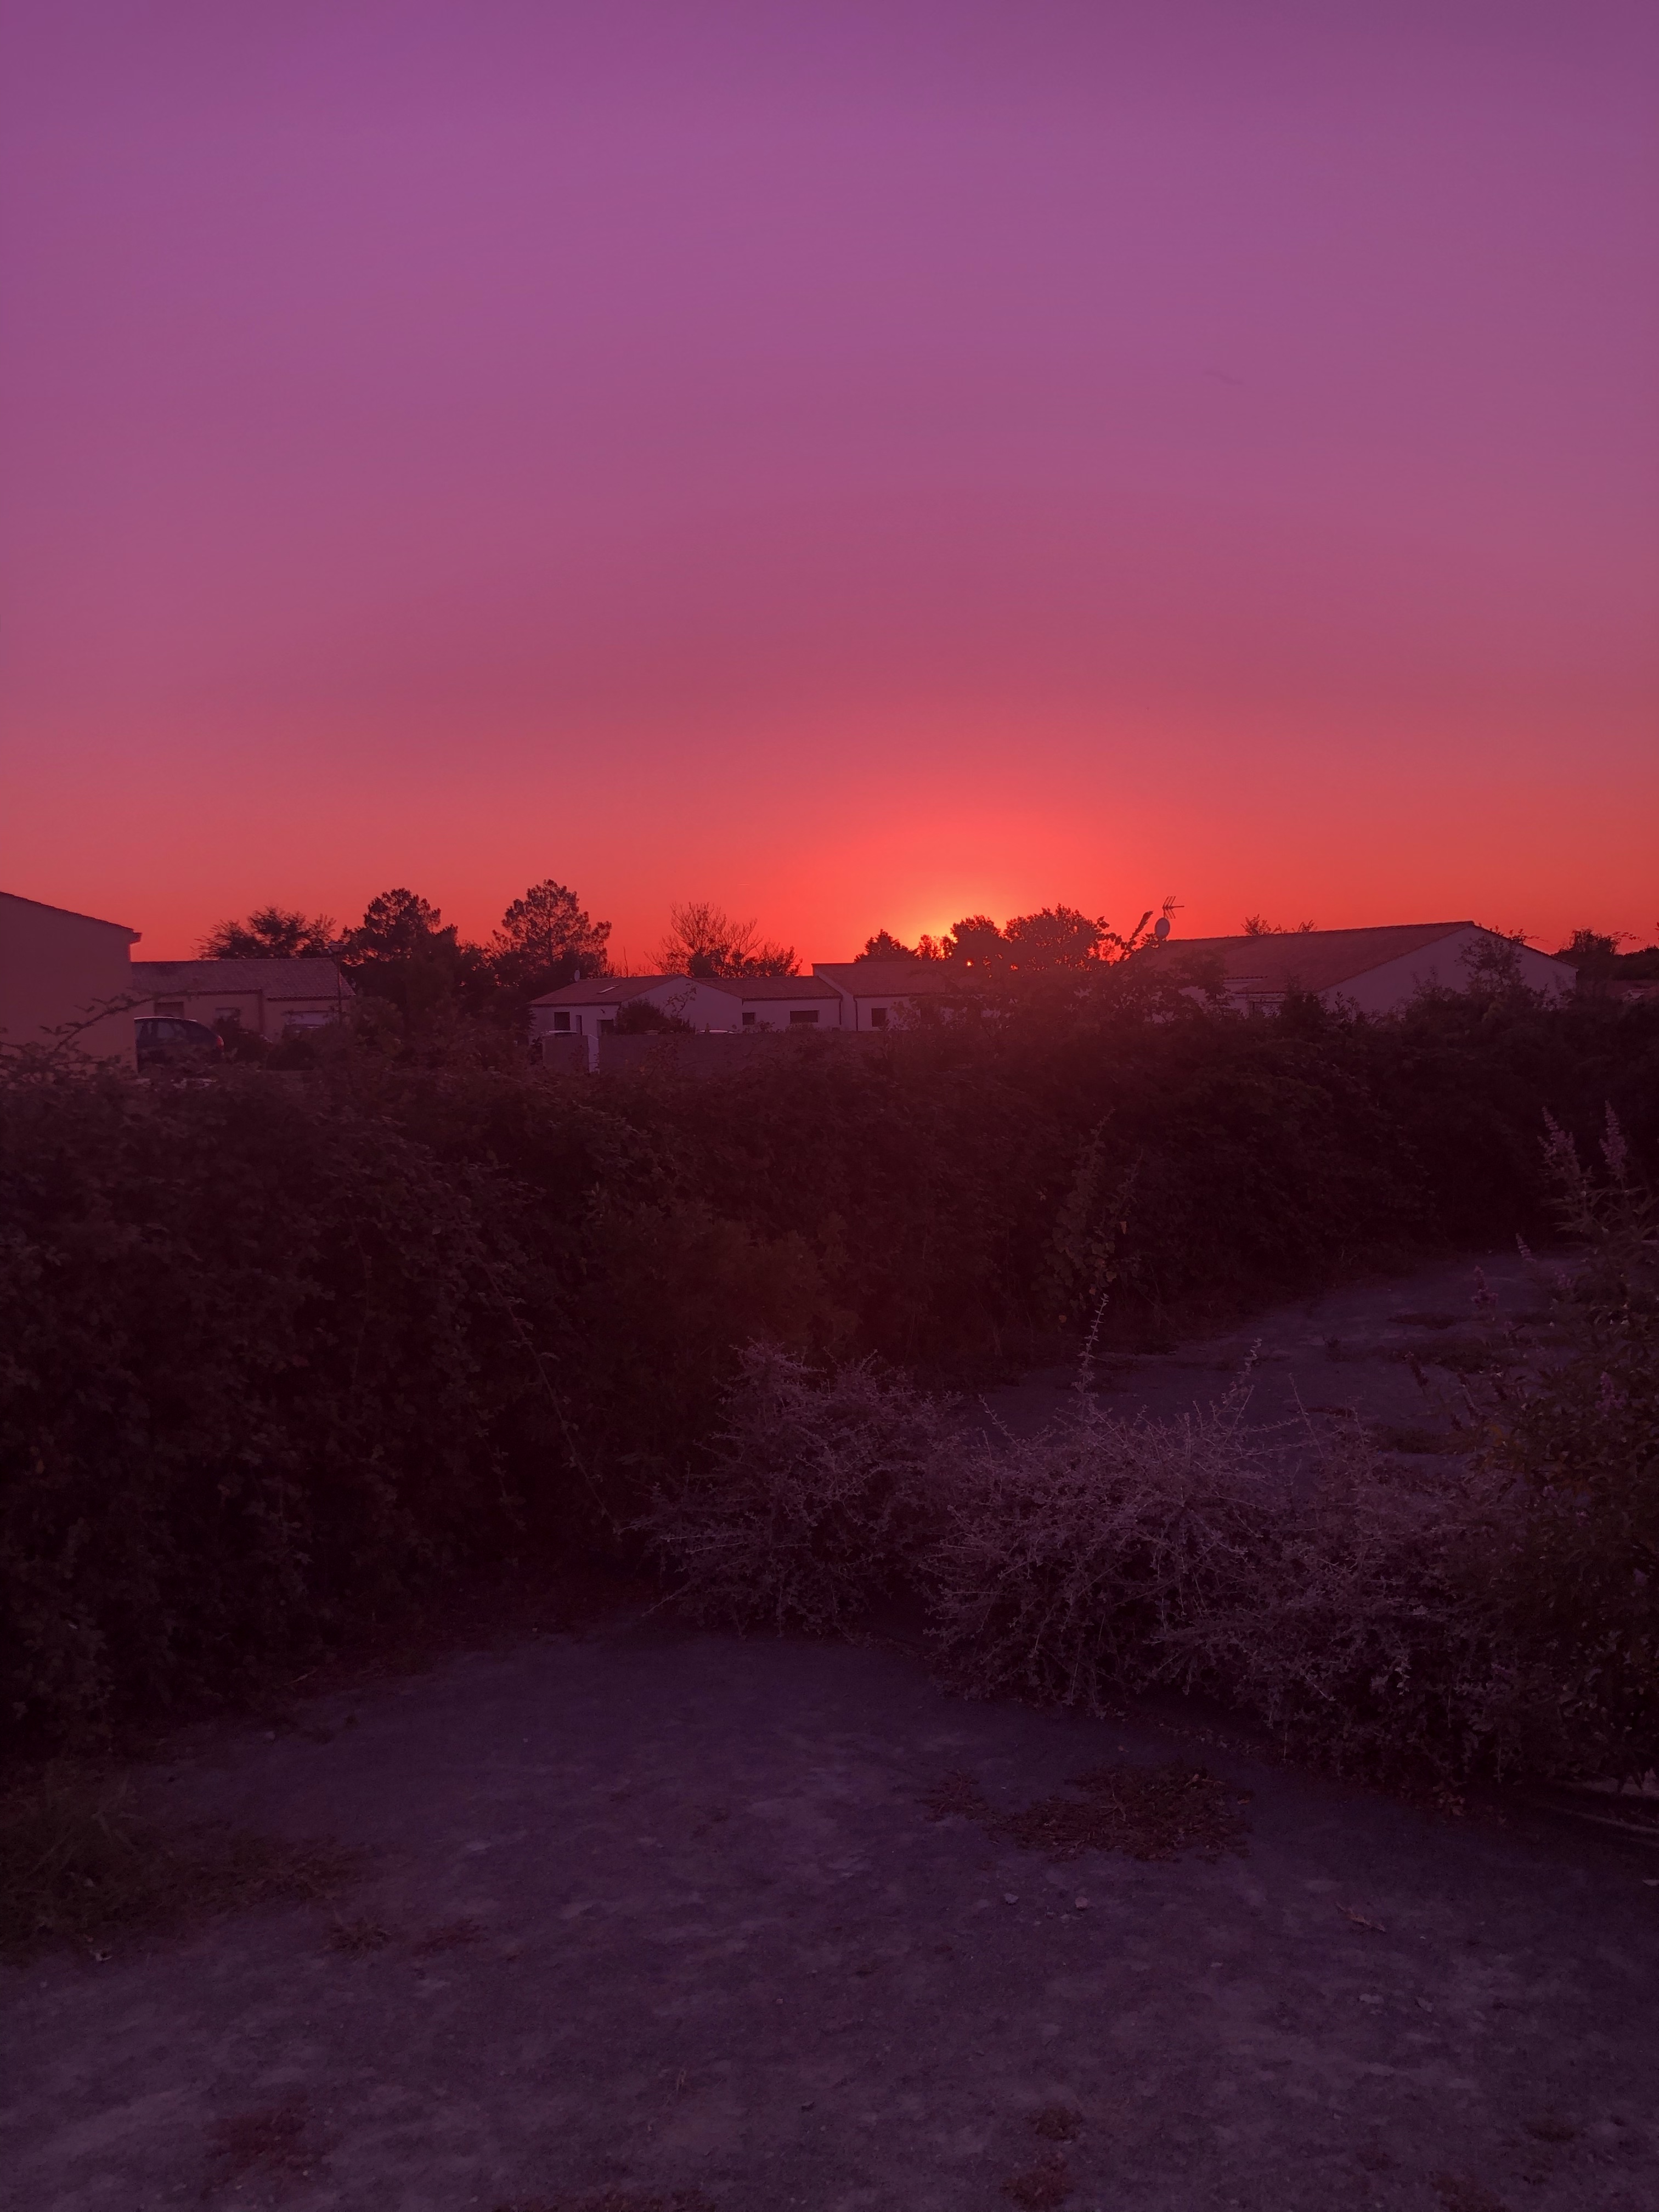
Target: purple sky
x,y
858,464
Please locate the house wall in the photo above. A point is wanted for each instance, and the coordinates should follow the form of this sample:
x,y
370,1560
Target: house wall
x,y
1443,966
687,999
55,967
857,1010
773,1013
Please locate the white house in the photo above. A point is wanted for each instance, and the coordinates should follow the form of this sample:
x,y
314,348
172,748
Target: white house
x,y
784,1002
1377,971
712,1005
873,993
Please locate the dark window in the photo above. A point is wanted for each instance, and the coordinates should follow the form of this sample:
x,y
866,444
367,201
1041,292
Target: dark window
x,y
562,1022
878,1018
800,1014
749,1021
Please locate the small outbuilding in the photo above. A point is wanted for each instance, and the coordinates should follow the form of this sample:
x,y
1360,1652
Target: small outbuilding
x,y
269,999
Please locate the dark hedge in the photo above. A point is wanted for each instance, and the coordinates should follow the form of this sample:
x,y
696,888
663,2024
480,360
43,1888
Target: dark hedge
x,y
282,1353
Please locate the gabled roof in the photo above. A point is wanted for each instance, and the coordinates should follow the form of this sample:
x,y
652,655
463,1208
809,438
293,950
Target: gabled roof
x,y
1312,959
73,915
276,979
895,979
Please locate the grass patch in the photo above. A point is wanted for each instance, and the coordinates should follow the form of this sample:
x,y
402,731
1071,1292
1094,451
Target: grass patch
x,y
81,1867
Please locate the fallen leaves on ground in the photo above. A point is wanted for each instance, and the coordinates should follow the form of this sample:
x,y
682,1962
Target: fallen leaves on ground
x,y
1147,1812
1047,2183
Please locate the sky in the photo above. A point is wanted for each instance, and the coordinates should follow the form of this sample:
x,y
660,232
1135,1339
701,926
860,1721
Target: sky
x,y
862,464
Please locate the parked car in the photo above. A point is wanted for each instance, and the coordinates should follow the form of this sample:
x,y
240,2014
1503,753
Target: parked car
x,y
170,1041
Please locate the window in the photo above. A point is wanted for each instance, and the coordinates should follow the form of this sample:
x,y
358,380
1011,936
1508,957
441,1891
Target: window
x,y
749,1021
878,1018
800,1015
307,1018
561,1021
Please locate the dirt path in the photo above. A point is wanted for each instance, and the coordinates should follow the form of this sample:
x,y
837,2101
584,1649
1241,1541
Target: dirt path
x,y
664,1913
1349,1349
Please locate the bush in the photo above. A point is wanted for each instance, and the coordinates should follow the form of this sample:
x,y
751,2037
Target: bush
x,y
1579,1447
814,1500
1293,1575
1066,1561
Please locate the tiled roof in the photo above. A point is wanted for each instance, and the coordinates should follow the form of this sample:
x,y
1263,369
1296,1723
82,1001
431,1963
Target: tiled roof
x,y
616,990
17,899
1312,959
749,988
895,979
277,978
607,990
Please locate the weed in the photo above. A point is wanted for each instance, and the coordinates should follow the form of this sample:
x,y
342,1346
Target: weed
x,y
812,1500
79,1866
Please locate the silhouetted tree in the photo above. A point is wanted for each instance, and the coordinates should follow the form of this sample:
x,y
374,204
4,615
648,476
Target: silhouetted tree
x,y
976,942
884,945
546,939
1055,941
1256,926
270,932
703,939
403,950
1056,936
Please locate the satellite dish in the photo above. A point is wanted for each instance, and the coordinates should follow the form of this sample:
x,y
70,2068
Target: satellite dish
x,y
1161,928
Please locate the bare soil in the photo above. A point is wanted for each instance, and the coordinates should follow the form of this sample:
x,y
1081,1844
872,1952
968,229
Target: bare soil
x,y
650,1919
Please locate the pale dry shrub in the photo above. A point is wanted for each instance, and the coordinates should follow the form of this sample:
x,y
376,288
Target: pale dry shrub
x,y
1291,1572
1065,1562
1370,1634
813,1501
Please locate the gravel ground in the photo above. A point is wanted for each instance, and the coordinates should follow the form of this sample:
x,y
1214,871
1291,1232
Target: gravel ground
x,y
651,1918
654,1912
